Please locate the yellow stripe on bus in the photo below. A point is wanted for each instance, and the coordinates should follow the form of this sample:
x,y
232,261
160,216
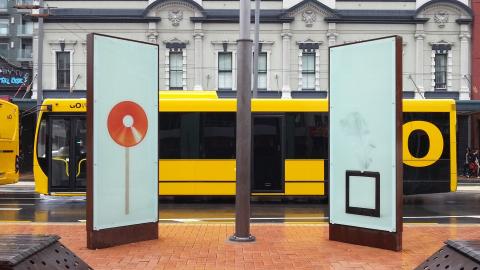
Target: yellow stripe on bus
x,y
226,188
436,105
304,170
191,188
197,169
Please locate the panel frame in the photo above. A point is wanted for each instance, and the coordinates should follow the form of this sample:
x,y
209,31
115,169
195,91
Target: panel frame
x,y
113,236
365,236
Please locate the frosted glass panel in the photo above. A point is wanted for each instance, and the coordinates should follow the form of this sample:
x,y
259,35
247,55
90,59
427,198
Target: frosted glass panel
x,y
362,130
125,73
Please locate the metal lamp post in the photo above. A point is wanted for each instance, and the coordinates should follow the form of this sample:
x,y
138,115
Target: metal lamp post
x,y
244,128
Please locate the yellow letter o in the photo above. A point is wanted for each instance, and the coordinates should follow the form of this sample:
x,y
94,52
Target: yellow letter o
x,y
436,144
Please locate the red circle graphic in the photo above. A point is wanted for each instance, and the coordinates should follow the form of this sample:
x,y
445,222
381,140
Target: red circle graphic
x,y
127,123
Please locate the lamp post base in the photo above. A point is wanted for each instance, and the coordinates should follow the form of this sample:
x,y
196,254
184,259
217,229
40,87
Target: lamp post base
x,y
235,238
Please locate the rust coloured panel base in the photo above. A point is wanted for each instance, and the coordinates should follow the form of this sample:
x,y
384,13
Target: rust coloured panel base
x,y
366,237
121,235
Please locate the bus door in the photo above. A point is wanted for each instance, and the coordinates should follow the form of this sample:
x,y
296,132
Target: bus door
x,y
267,154
67,153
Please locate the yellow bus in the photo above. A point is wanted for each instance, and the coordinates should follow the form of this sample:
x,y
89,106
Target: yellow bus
x,y
197,146
9,142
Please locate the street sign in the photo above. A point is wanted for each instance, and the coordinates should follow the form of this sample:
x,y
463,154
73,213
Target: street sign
x,y
365,103
122,119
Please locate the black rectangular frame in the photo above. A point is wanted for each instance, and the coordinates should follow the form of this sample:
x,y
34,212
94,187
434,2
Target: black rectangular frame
x,y
375,212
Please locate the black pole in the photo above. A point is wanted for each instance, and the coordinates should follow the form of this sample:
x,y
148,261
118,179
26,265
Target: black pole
x,y
244,128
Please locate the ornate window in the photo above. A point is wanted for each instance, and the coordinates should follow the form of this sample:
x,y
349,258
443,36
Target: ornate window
x,y
441,66
440,71
176,70
262,71
308,66
308,71
63,70
175,65
225,81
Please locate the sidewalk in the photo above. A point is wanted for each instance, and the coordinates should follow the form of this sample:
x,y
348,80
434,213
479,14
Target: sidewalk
x,y
278,246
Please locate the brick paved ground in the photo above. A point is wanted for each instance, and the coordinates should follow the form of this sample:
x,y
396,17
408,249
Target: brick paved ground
x,y
278,246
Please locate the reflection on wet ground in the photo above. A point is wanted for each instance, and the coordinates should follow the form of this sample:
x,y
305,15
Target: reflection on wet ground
x,y
458,207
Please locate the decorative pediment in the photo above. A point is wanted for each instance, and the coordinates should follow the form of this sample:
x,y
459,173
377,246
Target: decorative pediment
x,y
175,9
175,40
441,43
309,40
310,10
442,12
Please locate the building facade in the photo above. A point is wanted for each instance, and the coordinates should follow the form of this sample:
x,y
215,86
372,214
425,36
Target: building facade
x,y
198,49
16,31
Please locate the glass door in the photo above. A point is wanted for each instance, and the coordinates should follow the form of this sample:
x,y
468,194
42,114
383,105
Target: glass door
x,y
267,154
59,153
67,153
80,154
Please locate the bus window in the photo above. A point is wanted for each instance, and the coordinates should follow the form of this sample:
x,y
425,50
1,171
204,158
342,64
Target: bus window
x,y
306,135
218,135
42,140
60,153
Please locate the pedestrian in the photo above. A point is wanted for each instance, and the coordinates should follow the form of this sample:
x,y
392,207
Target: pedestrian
x,y
466,168
471,164
477,163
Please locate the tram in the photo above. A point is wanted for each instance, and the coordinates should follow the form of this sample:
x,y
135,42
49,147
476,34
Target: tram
x,y
9,142
289,137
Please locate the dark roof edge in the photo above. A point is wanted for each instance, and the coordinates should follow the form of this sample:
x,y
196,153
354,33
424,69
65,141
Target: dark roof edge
x,y
464,21
376,20
235,19
94,19
452,2
388,1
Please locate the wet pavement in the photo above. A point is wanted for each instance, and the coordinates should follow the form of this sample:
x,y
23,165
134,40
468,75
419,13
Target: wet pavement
x,y
277,246
19,204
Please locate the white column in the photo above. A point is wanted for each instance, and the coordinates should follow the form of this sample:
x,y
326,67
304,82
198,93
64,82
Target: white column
x,y
419,65
317,69
300,65
286,36
331,34
167,69
464,62
332,41
152,34
184,69
198,59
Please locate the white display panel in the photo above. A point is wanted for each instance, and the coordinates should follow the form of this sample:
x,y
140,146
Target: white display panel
x,y
363,188
362,136
125,132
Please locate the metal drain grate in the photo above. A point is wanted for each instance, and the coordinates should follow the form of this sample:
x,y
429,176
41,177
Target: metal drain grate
x,y
54,257
37,252
449,258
